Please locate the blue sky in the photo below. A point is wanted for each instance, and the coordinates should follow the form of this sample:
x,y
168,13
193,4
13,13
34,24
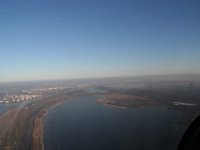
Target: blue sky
x,y
57,39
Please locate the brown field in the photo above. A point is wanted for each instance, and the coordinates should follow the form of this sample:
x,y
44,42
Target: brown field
x,y
6,120
124,100
37,136
25,131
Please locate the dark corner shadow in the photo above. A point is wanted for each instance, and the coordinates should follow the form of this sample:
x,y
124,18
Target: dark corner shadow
x,y
191,138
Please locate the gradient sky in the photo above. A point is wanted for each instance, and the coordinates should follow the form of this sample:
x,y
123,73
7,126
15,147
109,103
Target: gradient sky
x,y
57,39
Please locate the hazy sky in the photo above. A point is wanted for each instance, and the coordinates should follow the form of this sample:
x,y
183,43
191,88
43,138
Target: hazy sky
x,y
56,39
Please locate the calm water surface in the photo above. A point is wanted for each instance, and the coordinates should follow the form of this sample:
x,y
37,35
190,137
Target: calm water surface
x,y
82,124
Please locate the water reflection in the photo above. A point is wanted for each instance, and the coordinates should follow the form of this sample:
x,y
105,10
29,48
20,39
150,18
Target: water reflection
x,y
83,124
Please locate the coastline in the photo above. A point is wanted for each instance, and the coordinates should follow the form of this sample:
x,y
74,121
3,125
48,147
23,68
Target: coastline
x,y
26,128
38,128
103,103
37,135
124,101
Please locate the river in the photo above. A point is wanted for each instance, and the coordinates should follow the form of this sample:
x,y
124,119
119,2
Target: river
x,y
82,124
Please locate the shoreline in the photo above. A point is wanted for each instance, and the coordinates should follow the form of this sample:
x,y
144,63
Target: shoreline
x,y
38,128
124,101
26,130
103,103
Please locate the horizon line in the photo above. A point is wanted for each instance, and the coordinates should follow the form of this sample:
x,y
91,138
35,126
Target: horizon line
x,y
103,77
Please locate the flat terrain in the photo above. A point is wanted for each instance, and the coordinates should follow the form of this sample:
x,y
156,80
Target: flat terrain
x,y
125,100
26,130
22,128
6,120
185,100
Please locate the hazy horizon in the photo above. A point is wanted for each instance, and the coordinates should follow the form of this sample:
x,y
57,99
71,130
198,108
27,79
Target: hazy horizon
x,y
166,77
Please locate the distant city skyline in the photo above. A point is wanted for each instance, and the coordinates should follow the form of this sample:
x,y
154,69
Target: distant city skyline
x,y
46,39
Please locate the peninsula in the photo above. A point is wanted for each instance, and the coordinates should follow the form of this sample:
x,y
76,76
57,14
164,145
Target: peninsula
x,y
24,130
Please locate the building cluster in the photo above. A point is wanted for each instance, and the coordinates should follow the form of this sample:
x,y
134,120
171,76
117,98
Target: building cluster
x,y
28,94
49,89
17,98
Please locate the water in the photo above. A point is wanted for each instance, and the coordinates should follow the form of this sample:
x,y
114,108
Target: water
x,y
82,124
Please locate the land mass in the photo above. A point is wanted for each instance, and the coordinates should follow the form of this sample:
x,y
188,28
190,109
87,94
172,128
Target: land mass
x,y
125,101
22,128
26,128
185,100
